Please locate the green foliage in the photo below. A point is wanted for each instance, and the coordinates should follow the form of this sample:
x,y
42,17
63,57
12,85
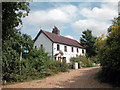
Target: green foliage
x,y
12,39
12,12
53,66
88,40
33,65
64,67
108,53
11,57
82,60
95,59
86,62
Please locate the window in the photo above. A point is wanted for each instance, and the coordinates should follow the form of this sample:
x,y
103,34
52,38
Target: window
x,y
41,45
77,50
35,47
65,48
72,49
82,51
58,47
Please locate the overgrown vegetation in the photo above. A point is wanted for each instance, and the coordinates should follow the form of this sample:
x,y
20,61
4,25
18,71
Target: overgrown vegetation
x,y
83,61
109,54
34,65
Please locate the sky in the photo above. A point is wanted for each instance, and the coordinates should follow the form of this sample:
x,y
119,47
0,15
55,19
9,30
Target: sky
x,y
71,18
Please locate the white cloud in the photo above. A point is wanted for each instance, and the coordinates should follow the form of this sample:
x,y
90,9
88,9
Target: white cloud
x,y
68,36
97,19
70,10
46,19
106,12
49,18
97,27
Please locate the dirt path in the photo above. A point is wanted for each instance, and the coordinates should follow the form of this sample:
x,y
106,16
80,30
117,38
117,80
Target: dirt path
x,y
81,78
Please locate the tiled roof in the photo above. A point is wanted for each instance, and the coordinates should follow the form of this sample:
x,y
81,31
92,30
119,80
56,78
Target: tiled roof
x,y
60,39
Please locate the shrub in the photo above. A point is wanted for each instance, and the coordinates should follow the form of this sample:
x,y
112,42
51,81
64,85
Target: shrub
x,y
109,53
82,60
64,67
36,64
53,66
95,59
85,62
70,65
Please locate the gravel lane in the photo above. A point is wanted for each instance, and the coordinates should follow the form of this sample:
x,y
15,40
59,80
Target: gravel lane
x,y
80,78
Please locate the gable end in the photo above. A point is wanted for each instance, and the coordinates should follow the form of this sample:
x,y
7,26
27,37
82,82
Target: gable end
x,y
39,34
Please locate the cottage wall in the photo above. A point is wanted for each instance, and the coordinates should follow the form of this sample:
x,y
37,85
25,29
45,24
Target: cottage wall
x,y
45,41
69,52
51,48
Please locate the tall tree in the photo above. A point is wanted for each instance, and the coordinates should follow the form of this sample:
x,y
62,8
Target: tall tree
x,y
88,40
12,12
109,53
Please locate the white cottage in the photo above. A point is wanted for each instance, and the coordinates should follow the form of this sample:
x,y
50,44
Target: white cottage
x,y
58,47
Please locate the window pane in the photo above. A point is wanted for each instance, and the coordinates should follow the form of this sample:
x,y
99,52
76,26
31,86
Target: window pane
x,y
65,48
72,49
58,47
82,51
41,45
77,50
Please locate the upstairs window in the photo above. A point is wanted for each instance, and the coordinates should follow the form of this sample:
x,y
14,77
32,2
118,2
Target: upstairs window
x,y
82,51
77,50
58,47
65,48
72,49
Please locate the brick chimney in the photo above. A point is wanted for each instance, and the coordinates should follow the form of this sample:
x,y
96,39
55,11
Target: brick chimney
x,y
56,30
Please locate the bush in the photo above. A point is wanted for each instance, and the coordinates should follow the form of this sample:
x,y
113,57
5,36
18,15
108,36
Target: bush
x,y
95,59
109,53
82,60
56,66
64,67
70,65
86,62
36,64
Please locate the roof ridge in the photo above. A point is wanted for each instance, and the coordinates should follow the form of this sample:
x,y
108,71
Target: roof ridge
x,y
60,35
60,39
69,38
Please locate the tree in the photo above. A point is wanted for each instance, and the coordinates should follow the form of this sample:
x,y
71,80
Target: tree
x,y
109,53
88,40
12,12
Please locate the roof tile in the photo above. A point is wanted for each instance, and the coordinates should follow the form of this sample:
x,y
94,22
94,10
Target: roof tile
x,y
61,39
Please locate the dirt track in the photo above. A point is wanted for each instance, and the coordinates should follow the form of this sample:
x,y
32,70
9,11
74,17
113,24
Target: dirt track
x,y
81,78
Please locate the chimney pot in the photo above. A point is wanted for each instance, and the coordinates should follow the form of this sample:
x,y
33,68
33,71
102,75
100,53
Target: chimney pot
x,y
56,30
